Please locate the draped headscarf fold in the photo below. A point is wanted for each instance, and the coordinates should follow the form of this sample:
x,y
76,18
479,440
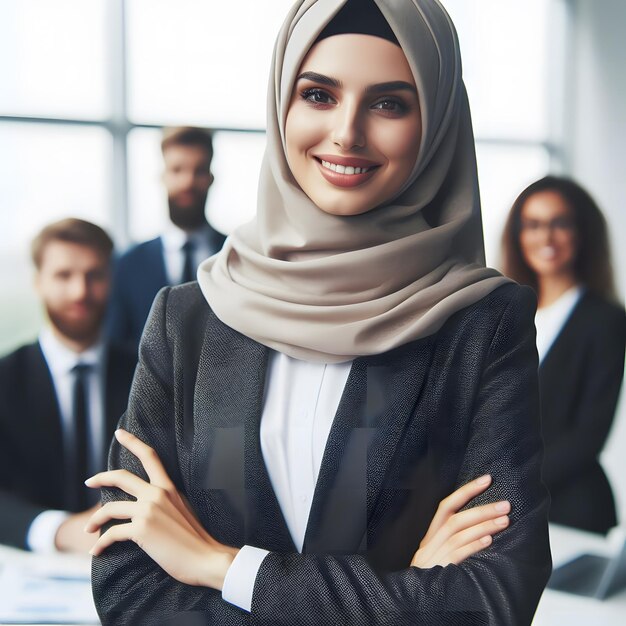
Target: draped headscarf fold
x,y
322,287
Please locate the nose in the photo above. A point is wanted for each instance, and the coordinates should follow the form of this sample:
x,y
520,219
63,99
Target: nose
x,y
547,233
80,287
186,179
348,131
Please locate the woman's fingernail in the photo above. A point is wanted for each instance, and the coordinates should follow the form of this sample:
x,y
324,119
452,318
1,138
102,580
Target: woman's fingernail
x,y
501,521
483,480
486,540
503,507
89,481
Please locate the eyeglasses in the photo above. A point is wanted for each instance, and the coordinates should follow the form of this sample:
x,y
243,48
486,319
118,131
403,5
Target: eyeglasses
x,y
557,225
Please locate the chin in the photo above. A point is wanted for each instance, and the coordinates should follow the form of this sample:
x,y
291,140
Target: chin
x,y
548,270
341,207
343,211
81,330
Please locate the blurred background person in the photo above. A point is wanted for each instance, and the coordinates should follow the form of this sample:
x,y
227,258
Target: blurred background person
x,y
173,257
555,240
60,397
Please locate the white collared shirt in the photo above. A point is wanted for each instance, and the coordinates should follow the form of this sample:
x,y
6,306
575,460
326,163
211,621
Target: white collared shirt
x,y
300,403
60,360
550,320
173,240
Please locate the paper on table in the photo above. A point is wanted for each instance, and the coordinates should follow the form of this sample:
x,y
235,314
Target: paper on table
x,y
32,599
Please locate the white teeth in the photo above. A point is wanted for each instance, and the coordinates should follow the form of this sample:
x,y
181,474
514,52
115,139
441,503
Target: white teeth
x,y
548,252
342,169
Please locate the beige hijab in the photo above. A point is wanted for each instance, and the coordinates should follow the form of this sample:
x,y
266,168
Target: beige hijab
x,y
327,288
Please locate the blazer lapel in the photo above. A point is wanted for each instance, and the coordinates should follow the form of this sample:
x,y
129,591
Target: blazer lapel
x,y
157,264
566,337
45,427
377,403
231,478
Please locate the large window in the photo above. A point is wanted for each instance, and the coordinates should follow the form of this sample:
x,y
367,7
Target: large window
x,y
53,58
87,85
511,65
198,62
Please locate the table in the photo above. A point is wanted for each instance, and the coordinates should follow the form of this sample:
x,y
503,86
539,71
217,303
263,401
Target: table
x,y
70,574
557,607
50,589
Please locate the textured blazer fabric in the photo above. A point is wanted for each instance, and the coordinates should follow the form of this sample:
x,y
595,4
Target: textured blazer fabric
x,y
580,379
32,476
412,425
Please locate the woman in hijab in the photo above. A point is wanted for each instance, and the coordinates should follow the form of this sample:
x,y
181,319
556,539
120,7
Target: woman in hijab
x,y
307,426
556,241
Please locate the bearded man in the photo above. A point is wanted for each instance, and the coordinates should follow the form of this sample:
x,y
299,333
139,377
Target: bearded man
x,y
173,257
61,397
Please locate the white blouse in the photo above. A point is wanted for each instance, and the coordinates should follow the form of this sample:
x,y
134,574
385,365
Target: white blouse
x,y
300,403
550,320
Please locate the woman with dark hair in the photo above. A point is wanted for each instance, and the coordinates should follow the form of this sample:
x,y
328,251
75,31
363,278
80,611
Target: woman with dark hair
x,y
338,424
556,241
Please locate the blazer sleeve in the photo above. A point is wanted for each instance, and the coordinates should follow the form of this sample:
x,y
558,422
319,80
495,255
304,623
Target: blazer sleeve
x,y
117,323
500,586
16,512
579,446
129,588
17,516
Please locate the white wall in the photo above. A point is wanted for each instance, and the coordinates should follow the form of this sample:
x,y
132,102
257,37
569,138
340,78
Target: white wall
x,y
595,127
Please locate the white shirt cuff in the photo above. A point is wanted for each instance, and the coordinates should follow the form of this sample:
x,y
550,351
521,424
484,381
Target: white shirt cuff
x,y
239,581
43,530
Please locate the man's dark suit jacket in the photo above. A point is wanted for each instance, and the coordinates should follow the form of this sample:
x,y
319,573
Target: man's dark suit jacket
x,y
413,424
139,274
580,379
31,438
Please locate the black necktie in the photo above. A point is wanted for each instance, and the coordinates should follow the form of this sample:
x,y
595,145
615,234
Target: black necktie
x,y
188,264
79,472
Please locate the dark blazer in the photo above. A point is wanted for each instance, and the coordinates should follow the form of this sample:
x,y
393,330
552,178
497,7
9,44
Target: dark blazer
x,y
580,379
412,425
139,274
31,438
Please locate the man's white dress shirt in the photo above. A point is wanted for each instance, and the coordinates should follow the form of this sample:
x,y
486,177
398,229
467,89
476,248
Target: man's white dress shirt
x,y
174,239
61,360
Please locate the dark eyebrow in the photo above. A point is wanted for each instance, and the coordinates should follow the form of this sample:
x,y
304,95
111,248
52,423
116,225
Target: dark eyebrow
x,y
396,85
320,78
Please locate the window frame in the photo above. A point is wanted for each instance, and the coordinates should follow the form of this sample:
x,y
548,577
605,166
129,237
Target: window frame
x,y
120,125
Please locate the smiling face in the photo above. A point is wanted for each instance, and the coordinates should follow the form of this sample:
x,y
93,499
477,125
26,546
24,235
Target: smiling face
x,y
548,234
73,282
353,126
187,178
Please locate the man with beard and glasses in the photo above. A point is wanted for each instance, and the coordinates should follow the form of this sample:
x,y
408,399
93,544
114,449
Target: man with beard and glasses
x,y
172,258
61,397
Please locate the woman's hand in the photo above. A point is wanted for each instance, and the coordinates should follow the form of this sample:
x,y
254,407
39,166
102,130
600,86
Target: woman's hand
x,y
160,522
454,536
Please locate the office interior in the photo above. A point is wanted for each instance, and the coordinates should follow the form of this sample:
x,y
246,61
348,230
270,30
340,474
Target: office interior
x,y
87,86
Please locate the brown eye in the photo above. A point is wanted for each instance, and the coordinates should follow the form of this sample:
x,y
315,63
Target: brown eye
x,y
391,105
317,96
